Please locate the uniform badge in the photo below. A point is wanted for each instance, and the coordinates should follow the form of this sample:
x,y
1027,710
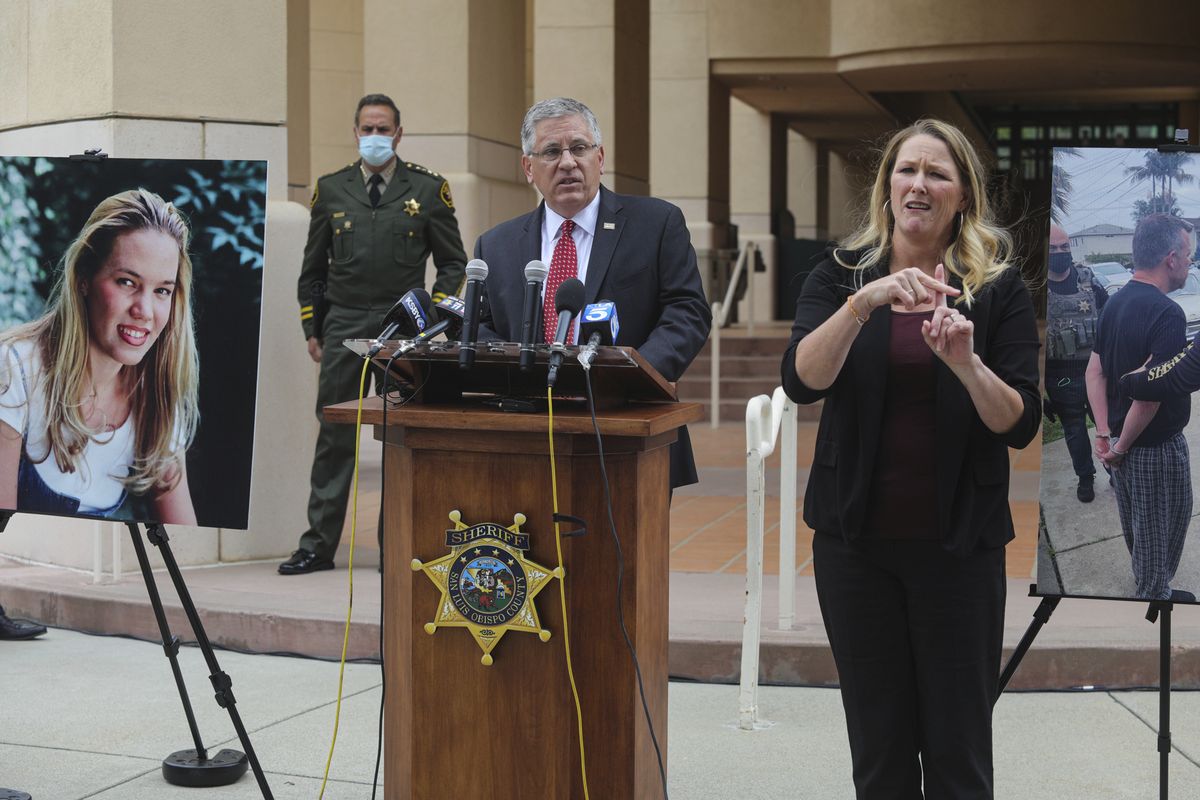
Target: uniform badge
x,y
1084,307
487,584
412,207
444,193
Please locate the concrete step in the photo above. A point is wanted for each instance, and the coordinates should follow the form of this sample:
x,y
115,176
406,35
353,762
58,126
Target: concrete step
x,y
767,345
697,388
736,366
735,411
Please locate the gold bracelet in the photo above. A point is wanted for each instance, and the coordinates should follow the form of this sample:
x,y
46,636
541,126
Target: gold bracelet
x,y
850,305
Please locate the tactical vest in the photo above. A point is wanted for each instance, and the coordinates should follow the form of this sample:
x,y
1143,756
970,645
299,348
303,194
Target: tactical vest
x,y
1071,320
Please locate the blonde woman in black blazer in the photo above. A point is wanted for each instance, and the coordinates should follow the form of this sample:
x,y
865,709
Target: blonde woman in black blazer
x,y
921,338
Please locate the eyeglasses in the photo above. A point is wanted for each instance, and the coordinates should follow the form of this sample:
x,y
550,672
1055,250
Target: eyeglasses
x,y
553,153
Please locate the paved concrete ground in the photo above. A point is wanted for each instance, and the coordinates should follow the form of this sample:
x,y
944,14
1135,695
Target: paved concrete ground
x,y
1084,552
91,717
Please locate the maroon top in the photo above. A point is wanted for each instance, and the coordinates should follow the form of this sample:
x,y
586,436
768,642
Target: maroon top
x,y
903,502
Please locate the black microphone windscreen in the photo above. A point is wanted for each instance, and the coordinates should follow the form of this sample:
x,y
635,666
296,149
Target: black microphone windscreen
x,y
569,296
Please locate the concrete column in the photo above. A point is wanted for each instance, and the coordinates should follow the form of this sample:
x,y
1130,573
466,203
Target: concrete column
x,y
802,184
152,79
299,95
334,82
684,137
750,135
456,68
598,51
843,208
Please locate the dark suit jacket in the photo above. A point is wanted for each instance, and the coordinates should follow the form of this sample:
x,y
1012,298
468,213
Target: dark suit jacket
x,y
972,462
644,263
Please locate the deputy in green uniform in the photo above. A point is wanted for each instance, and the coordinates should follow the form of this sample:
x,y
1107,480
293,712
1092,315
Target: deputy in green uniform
x,y
374,224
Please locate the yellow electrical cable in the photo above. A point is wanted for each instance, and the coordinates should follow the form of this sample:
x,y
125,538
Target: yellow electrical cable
x,y
562,593
337,716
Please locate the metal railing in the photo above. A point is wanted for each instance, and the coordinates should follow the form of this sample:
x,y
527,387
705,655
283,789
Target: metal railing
x,y
720,315
768,419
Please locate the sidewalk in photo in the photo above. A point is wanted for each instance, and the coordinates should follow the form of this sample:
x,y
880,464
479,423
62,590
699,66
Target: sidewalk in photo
x,y
1087,554
247,606
92,717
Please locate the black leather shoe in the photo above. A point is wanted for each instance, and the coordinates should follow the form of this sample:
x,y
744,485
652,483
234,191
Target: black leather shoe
x,y
303,562
18,628
1086,492
1182,596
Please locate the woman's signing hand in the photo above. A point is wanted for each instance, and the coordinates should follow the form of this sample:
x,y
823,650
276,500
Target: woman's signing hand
x,y
949,334
907,287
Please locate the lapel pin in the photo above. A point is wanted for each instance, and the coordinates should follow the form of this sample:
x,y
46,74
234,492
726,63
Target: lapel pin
x,y
610,226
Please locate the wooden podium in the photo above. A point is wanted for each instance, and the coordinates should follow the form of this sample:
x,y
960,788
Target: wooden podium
x,y
457,728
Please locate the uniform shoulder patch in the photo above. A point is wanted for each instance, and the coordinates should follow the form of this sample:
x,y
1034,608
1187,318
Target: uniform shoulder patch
x,y
444,193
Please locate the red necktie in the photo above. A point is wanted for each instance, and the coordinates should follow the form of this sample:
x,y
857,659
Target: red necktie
x,y
563,264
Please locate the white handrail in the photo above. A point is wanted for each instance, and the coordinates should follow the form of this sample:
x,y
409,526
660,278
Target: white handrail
x,y
720,316
765,417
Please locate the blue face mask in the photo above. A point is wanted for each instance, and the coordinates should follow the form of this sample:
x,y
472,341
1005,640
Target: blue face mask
x,y
376,149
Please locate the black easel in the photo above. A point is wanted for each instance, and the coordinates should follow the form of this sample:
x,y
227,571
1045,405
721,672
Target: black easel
x,y
1158,611
185,767
194,767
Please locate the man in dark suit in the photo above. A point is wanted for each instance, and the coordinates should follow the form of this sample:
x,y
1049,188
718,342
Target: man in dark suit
x,y
634,251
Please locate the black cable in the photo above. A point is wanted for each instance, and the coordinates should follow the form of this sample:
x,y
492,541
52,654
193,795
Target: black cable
x,y
612,527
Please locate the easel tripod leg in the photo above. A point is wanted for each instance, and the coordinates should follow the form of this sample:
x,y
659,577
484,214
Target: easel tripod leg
x,y
227,761
1040,617
1161,611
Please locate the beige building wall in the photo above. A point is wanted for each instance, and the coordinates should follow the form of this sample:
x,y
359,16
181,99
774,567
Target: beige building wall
x,y
77,76
336,82
598,52
679,119
465,124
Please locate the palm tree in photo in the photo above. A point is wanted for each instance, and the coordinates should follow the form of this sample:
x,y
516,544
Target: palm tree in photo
x,y
1060,183
1163,170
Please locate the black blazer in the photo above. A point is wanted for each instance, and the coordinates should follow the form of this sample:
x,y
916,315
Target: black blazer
x,y
972,462
644,263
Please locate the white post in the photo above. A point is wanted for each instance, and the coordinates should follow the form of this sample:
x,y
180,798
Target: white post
x,y
714,397
116,552
787,515
97,552
755,506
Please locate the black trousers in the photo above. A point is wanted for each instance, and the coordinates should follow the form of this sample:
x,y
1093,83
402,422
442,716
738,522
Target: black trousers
x,y
1067,391
916,634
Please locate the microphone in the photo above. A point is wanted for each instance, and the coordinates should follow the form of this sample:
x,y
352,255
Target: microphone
x,y
568,300
450,310
598,324
531,311
477,272
408,316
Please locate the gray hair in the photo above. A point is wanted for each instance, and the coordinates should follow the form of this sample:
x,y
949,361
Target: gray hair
x,y
1155,236
554,108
